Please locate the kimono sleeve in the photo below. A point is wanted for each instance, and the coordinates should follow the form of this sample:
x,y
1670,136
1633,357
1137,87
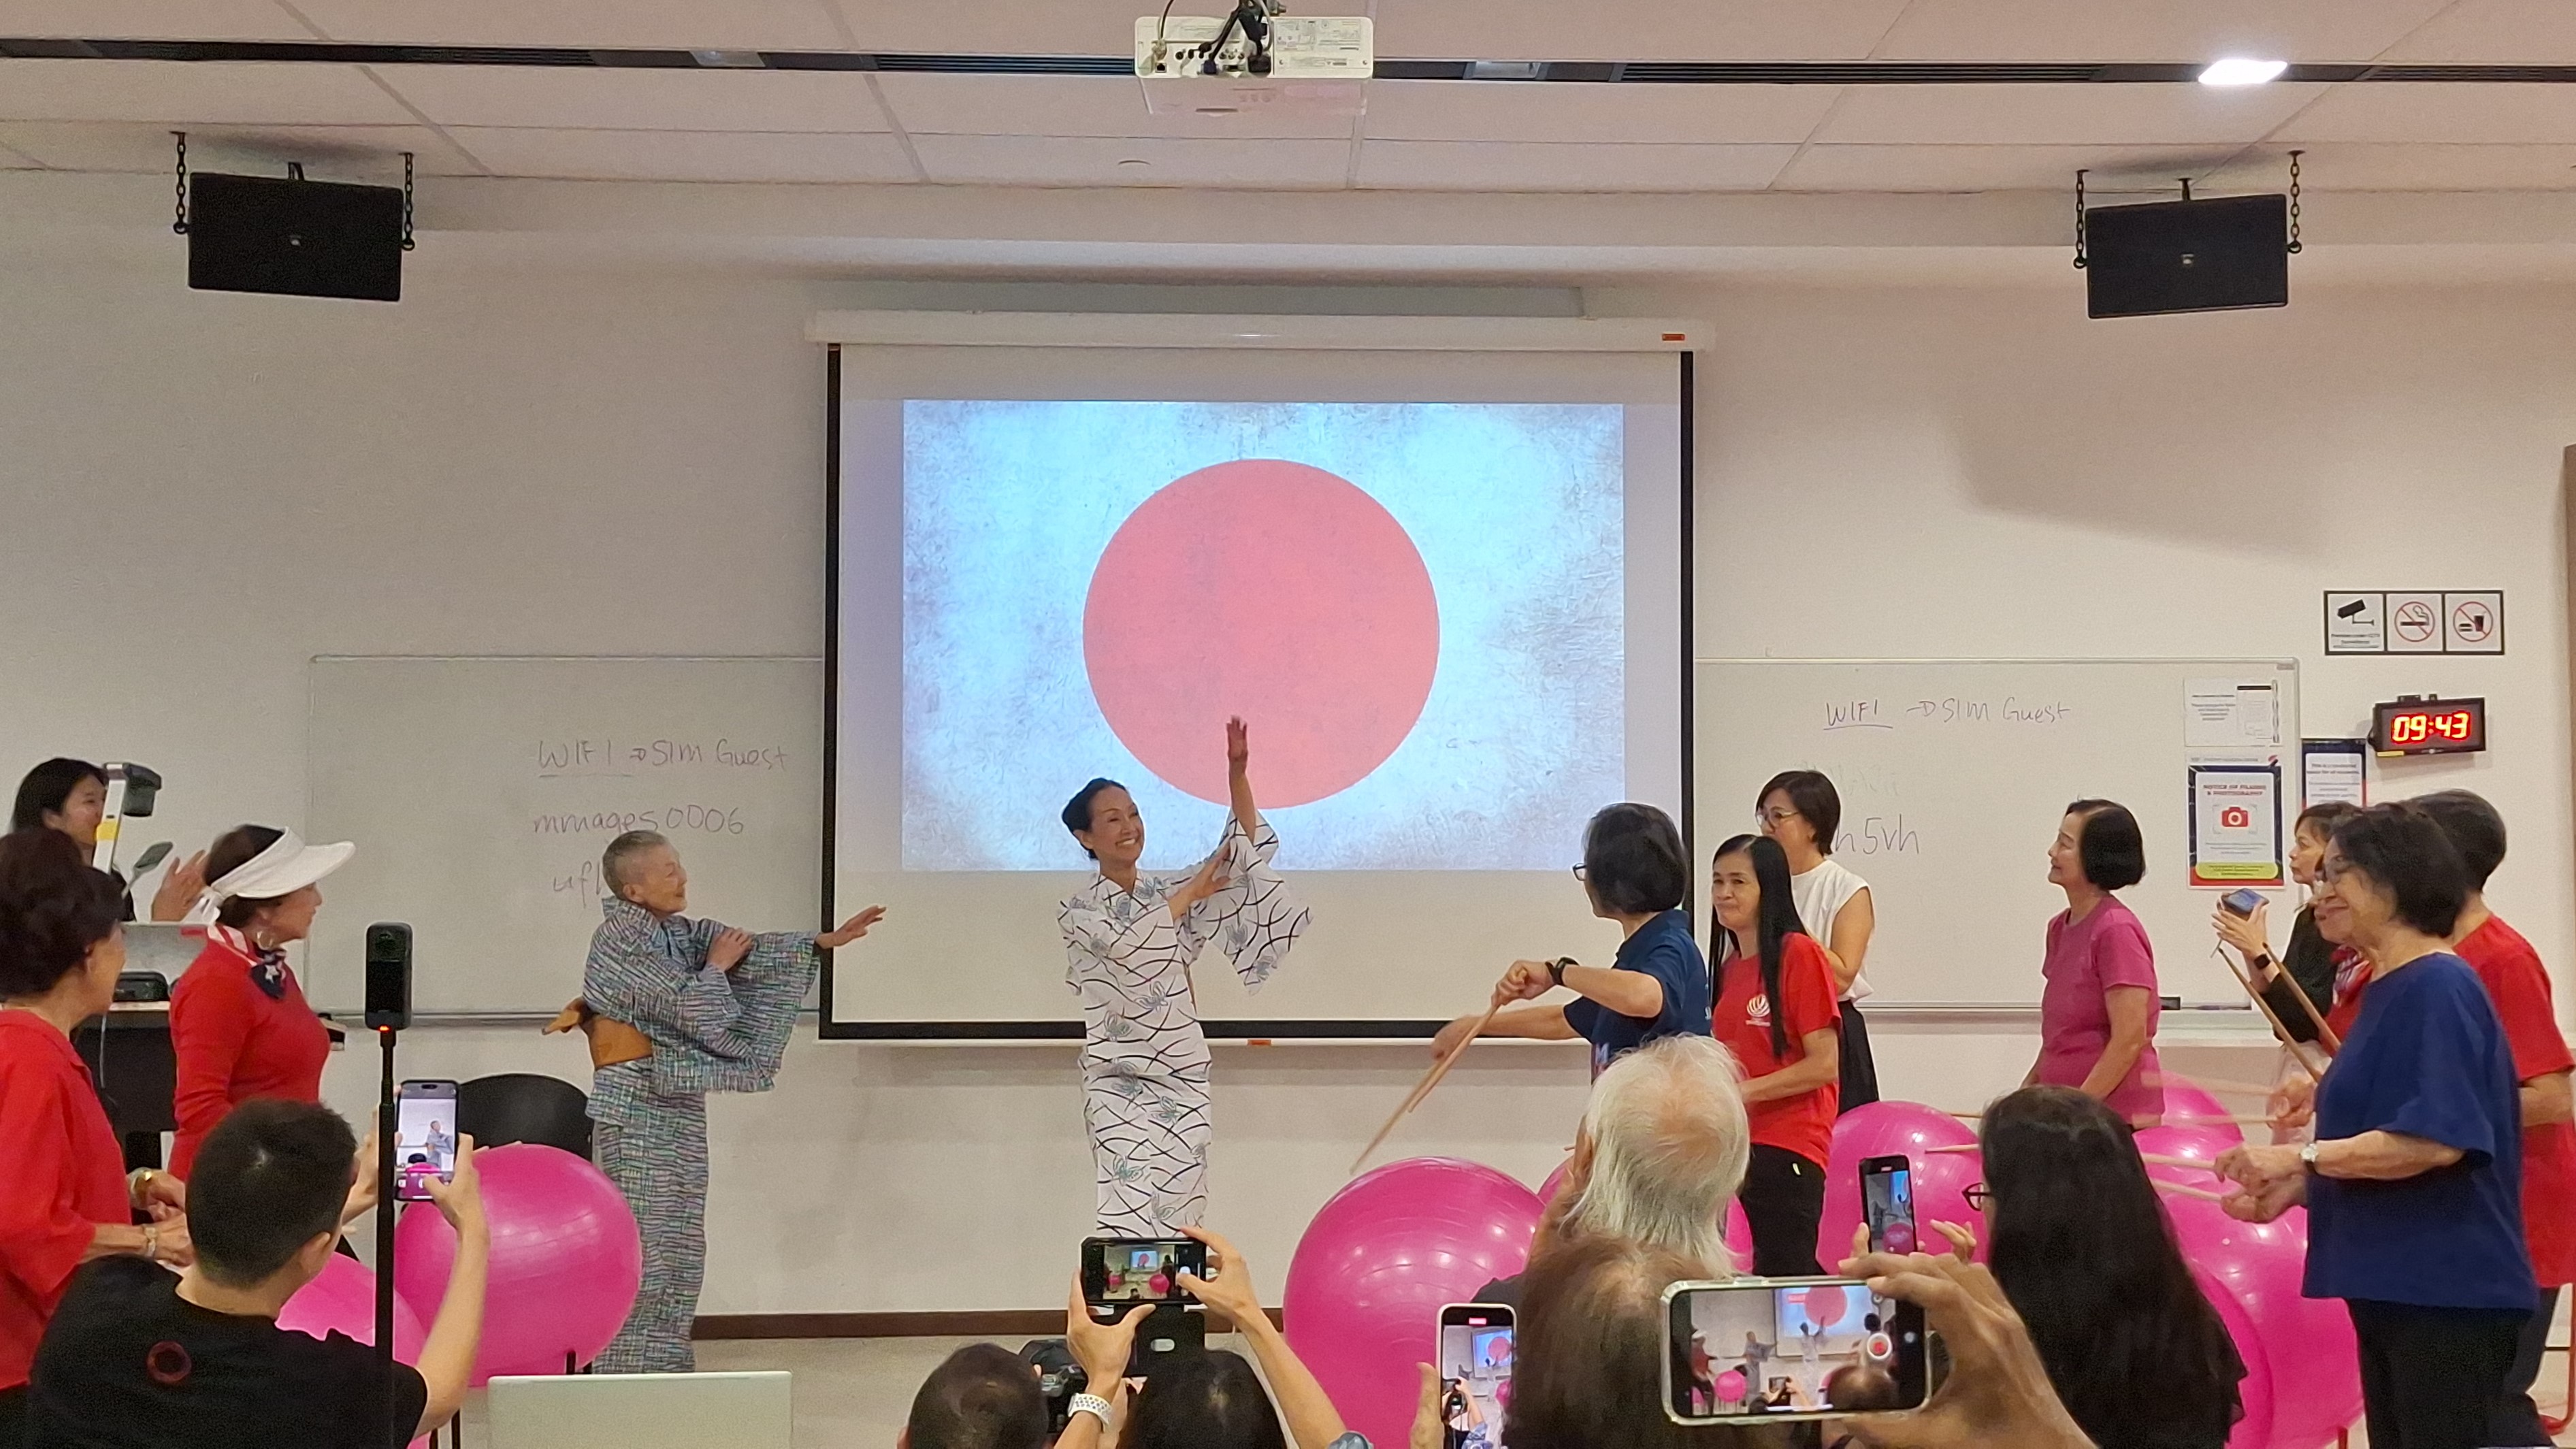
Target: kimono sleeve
x,y
1255,918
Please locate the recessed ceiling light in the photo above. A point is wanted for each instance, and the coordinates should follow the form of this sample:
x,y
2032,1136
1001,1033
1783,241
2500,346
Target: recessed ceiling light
x,y
730,59
2237,70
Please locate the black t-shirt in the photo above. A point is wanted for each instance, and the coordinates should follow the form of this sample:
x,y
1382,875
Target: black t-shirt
x,y
129,1364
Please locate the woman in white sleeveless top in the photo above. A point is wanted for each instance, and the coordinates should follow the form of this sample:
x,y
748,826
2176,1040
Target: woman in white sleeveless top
x,y
1800,809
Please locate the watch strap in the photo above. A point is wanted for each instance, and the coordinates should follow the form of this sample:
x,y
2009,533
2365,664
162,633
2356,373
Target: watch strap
x,y
1556,968
1094,1405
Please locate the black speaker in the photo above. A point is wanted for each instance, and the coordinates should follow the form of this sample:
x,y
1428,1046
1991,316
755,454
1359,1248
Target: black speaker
x,y
294,238
2216,255
389,975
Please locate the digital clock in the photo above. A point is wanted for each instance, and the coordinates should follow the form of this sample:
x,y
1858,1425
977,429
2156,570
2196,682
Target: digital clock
x,y
2420,726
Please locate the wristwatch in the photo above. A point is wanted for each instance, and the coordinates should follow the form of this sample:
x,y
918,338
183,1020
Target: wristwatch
x,y
1556,968
1092,1404
2308,1156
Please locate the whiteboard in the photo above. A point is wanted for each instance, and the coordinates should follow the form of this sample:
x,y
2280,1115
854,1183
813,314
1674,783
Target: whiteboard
x,y
1954,775
481,792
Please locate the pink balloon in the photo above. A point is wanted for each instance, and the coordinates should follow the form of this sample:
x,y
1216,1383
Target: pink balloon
x,y
2318,1389
1889,1129
2186,1105
343,1300
2256,1392
1367,1282
1730,1387
566,1260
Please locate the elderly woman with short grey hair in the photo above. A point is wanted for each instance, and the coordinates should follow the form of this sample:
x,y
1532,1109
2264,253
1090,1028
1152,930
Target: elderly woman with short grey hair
x,y
676,1008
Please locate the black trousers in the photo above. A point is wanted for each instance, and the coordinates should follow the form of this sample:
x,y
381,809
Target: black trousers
x,y
2431,1377
13,1417
2517,1419
1784,1204
1859,1068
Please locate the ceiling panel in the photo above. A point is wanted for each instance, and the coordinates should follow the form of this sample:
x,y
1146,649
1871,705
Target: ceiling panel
x,y
639,100
1153,161
1567,166
2495,32
152,19
2317,30
2441,113
1995,168
12,159
1073,105
1633,29
1055,27
645,24
686,155
209,92
371,154
1549,111
2061,115
2365,167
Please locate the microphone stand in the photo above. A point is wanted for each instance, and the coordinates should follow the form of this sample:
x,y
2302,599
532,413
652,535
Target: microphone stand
x,y
398,1435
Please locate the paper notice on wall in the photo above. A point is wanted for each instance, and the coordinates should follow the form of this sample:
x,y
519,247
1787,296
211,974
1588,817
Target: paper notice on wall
x,y
2334,770
2236,825
2231,714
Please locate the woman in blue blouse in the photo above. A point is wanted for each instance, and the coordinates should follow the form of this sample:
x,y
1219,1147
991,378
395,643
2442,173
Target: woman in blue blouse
x,y
2414,1182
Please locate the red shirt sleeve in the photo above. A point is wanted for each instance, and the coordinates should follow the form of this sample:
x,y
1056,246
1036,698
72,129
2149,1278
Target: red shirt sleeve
x,y
1807,981
210,1019
2520,989
42,1237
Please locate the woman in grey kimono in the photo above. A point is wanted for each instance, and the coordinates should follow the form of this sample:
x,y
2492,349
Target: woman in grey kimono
x,y
1130,940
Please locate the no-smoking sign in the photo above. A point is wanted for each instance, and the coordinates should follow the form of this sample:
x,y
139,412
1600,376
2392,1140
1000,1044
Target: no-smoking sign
x,y
2414,623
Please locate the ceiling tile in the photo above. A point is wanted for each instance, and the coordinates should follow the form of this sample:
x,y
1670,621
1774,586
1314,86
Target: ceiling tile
x,y
2395,112
199,92
1633,29
370,154
641,24
1072,105
1166,161
686,155
1995,168
639,100
2495,32
2416,167
1571,111
2170,30
2061,115
1056,27
1567,166
13,159
151,19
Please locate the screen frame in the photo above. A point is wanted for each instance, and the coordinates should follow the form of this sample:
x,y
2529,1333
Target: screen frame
x,y
1681,344
2384,715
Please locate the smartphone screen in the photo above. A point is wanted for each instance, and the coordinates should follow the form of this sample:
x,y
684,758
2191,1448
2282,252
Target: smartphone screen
x,y
1475,1374
1140,1270
424,1137
1806,1348
1887,1203
2241,902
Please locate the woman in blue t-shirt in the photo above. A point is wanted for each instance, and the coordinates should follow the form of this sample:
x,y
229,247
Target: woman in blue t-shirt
x,y
2414,1184
1657,986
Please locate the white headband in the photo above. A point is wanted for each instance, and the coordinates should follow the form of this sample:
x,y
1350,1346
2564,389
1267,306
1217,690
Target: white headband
x,y
287,866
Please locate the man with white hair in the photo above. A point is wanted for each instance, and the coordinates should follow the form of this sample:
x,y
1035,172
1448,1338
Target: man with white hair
x,y
1661,1151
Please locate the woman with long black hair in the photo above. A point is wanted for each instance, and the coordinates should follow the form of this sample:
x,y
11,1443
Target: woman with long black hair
x,y
1776,1011
2082,1247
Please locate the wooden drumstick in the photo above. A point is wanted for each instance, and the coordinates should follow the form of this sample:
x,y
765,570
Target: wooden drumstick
x,y
1422,1089
2278,1030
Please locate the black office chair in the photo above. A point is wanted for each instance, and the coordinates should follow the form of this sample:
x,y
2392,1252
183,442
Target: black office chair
x,y
525,1107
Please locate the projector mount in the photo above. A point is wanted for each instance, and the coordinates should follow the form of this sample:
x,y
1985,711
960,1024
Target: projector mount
x,y
294,172
2293,247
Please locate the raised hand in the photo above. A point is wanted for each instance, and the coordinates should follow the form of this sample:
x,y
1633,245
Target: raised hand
x,y
851,929
180,885
1238,746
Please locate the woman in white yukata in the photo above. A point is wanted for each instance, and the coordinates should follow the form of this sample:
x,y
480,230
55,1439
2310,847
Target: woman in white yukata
x,y
1131,940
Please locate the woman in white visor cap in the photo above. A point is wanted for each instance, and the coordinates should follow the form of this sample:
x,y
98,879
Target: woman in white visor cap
x,y
238,1020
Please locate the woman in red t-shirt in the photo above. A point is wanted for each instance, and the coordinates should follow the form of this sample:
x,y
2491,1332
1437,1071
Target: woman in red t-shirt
x,y
64,1195
238,1020
1776,1012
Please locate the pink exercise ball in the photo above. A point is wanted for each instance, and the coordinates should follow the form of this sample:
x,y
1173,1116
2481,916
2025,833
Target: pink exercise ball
x,y
2187,1105
2257,1391
1730,1387
1370,1274
2202,1143
1890,1129
566,1260
343,1300
2317,1379
1739,1233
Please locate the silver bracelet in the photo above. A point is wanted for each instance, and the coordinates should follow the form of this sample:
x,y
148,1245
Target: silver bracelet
x,y
1092,1404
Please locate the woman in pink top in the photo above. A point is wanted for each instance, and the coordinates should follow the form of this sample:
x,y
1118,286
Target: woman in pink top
x,y
2097,1015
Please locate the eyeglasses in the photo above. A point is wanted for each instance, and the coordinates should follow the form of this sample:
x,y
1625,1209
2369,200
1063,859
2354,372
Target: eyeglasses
x,y
1582,873
2332,868
1976,1196
1773,817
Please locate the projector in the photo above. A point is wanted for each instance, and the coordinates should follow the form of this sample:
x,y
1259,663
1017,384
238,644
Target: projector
x,y
1255,60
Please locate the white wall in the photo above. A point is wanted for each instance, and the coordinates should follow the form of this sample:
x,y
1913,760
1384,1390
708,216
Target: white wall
x,y
203,491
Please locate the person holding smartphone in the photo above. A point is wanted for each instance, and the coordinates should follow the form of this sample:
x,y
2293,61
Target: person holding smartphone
x,y
2303,984
1776,1011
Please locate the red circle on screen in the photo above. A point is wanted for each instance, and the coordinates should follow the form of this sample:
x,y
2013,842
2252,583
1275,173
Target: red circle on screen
x,y
1274,591
1825,1304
